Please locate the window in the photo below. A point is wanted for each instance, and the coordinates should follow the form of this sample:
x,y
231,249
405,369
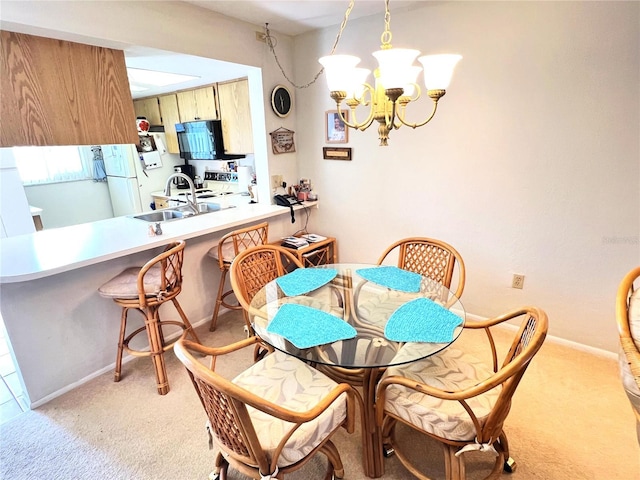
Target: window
x,y
40,165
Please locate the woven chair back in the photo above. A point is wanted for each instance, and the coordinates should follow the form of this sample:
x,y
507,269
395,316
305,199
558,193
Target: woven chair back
x,y
170,274
429,257
228,420
524,347
253,268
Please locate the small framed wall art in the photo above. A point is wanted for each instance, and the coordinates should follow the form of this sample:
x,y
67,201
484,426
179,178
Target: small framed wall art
x,y
335,129
336,153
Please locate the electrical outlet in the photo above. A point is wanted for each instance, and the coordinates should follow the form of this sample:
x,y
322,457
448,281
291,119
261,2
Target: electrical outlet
x,y
261,37
518,281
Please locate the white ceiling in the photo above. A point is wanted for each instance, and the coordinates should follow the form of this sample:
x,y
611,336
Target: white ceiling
x,y
296,17
284,16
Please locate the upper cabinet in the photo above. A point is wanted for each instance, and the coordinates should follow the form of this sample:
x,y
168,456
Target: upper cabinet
x,y
148,108
198,104
56,92
170,116
235,112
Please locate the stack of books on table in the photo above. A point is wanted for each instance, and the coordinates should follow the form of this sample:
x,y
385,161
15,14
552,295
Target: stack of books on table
x,y
294,242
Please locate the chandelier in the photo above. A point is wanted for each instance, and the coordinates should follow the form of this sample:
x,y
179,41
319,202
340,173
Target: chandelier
x,y
395,83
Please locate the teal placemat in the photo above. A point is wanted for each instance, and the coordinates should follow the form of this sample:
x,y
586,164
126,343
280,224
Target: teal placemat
x,y
422,320
392,277
307,327
304,280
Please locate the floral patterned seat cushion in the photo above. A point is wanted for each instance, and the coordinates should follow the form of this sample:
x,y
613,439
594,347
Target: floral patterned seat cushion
x,y
629,383
292,384
451,369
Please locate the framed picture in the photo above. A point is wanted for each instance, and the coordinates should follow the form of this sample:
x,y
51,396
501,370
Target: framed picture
x,y
336,153
335,129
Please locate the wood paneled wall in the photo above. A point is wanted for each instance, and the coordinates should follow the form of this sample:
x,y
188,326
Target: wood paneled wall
x,y
54,92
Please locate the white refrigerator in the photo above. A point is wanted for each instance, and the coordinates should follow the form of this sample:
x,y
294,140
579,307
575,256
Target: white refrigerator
x,y
131,178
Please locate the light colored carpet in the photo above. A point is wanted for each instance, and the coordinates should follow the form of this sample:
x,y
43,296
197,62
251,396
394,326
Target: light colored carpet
x,y
570,419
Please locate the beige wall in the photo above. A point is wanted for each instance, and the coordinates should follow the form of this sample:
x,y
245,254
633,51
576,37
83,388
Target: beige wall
x,y
531,165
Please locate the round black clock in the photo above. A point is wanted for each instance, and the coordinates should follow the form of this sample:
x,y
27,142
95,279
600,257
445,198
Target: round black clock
x,y
281,101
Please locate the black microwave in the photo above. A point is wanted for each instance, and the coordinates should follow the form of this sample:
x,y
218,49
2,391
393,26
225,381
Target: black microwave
x,y
202,140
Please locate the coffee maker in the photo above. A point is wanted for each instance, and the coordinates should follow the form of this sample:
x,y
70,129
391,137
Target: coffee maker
x,y
188,170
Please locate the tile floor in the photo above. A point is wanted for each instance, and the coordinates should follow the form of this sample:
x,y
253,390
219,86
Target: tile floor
x,y
12,400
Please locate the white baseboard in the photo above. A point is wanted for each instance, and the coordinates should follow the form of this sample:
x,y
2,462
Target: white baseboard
x,y
559,341
127,358
109,368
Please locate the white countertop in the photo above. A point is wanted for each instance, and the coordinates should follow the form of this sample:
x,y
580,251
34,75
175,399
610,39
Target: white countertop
x,y
49,252
34,210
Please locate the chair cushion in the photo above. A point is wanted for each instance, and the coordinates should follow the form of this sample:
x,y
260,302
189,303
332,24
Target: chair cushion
x,y
286,381
376,309
634,317
125,284
228,252
628,381
451,369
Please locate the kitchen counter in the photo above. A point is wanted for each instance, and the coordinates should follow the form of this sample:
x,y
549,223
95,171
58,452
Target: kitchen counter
x,y
49,252
62,332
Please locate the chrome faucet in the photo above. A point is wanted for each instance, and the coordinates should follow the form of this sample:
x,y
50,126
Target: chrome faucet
x,y
191,203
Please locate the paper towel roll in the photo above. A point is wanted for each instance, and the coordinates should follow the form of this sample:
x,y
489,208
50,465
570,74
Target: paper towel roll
x,y
244,179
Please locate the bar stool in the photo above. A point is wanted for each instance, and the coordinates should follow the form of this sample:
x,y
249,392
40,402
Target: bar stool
x,y
145,289
225,251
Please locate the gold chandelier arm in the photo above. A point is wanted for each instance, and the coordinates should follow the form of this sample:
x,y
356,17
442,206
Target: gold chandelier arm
x,y
420,124
353,103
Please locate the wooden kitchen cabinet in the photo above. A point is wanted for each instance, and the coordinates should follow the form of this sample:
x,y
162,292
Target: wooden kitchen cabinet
x,y
170,116
148,108
235,113
56,92
197,104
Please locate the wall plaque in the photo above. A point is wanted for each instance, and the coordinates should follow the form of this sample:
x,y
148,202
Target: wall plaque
x,y
282,141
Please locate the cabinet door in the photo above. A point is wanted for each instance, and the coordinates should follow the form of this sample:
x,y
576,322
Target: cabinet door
x,y
198,104
148,108
56,92
235,112
170,116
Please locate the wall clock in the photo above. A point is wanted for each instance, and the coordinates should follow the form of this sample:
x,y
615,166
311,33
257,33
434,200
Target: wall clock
x,y
281,101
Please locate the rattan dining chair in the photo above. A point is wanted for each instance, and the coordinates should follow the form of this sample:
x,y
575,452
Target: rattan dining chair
x,y
229,246
628,319
429,257
254,267
146,289
272,418
458,400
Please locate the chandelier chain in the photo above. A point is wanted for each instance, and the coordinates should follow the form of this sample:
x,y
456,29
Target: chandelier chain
x,y
385,38
272,45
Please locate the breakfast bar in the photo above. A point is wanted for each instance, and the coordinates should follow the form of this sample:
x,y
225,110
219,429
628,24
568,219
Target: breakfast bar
x,y
61,331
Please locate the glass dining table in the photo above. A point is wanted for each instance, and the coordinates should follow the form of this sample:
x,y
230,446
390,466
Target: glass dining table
x,y
352,321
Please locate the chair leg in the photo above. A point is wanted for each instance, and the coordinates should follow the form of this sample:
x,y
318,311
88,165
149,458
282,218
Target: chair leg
x,y
453,466
214,317
156,349
185,320
123,327
335,467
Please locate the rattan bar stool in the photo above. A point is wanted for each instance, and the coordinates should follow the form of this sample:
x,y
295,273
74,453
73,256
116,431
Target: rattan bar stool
x,y
145,289
225,251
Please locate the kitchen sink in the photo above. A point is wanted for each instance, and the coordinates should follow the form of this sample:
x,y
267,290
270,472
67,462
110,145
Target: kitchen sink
x,y
175,213
160,216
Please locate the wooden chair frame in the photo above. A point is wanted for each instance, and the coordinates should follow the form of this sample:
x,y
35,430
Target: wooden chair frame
x,y
429,257
226,406
241,239
526,344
